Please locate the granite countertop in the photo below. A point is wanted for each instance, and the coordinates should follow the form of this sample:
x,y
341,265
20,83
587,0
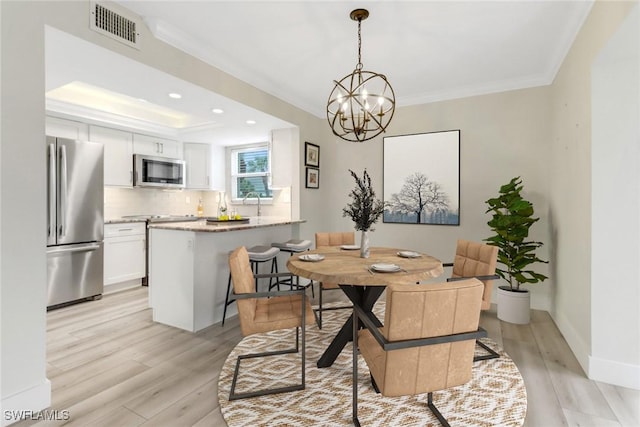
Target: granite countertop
x,y
202,226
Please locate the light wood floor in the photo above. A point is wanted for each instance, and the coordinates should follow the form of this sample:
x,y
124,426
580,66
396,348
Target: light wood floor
x,y
110,365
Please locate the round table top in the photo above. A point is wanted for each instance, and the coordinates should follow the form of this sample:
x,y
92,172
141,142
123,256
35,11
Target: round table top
x,y
348,268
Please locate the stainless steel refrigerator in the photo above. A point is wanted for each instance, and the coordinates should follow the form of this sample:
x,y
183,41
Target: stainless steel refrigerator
x,y
75,220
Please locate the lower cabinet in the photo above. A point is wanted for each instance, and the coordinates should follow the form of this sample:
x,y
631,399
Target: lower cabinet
x,y
124,252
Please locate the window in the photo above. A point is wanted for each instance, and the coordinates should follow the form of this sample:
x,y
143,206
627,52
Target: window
x,y
250,170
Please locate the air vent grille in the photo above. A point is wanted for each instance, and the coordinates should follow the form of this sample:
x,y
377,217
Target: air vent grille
x,y
114,25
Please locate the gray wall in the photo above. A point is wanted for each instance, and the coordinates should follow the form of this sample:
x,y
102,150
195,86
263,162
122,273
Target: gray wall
x,y
571,216
502,136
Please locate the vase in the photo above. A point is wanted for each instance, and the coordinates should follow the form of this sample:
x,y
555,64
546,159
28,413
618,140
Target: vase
x,y
513,306
222,204
364,244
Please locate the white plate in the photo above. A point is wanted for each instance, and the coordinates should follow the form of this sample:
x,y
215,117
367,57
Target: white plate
x,y
312,257
385,268
350,247
408,254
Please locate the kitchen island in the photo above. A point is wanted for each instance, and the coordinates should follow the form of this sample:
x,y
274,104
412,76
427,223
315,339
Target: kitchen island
x,y
189,270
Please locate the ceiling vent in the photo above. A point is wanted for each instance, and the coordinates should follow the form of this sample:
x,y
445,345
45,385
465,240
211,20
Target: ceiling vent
x,y
114,25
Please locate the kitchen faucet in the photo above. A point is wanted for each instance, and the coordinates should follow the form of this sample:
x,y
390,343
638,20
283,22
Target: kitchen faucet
x,y
249,194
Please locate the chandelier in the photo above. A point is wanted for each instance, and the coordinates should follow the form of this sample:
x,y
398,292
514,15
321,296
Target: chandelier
x,y
361,104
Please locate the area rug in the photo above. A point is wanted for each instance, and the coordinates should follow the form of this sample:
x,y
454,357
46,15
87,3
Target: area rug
x,y
495,396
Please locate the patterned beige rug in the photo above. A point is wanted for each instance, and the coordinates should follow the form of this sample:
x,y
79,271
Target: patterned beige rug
x,y
495,396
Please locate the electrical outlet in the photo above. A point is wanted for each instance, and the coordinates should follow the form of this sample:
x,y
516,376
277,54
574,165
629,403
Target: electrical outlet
x,y
187,200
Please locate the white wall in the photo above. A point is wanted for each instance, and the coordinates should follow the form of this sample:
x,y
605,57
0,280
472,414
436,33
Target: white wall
x,y
22,216
571,180
615,219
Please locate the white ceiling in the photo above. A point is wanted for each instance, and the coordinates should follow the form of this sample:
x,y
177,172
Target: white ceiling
x,y
429,50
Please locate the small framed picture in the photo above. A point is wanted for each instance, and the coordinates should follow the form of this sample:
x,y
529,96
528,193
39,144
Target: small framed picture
x,y
313,178
311,155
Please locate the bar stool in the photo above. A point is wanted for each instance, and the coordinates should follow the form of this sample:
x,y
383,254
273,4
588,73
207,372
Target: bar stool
x,y
293,246
257,255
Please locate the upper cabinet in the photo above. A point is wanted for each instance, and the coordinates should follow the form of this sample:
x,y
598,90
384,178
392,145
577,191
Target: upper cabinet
x,y
198,161
63,128
118,155
205,166
154,146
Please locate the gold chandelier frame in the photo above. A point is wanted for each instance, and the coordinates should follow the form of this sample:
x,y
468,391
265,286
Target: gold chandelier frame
x,y
361,104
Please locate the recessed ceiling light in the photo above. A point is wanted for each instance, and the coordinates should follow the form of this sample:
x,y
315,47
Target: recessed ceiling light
x,y
251,122
218,110
175,95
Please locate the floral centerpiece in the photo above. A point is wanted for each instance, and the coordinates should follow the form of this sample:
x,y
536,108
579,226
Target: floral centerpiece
x,y
365,209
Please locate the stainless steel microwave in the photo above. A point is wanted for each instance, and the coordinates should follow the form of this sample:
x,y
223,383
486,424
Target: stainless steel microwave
x,y
150,171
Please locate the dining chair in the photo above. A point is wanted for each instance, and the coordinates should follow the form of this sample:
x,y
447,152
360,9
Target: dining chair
x,y
257,255
474,259
324,239
267,311
426,343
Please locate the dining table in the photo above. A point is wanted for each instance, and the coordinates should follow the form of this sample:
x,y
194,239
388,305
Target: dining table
x,y
362,280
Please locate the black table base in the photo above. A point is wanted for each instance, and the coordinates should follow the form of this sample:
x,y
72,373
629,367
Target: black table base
x,y
363,296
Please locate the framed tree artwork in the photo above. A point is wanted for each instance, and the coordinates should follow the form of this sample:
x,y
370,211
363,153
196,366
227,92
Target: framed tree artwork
x,y
421,178
311,155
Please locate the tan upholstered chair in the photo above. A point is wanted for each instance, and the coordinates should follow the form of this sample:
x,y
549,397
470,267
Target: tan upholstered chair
x,y
331,239
477,260
266,311
426,343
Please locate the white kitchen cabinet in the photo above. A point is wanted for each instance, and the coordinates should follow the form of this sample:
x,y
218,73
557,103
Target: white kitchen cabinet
x,y
172,293
63,128
154,146
124,252
118,155
198,159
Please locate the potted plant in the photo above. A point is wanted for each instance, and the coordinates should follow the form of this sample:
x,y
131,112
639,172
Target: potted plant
x,y
365,209
512,217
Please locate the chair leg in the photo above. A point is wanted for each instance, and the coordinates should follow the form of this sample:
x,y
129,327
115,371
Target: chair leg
x,y
226,300
374,384
492,353
319,305
435,410
274,269
235,396
254,268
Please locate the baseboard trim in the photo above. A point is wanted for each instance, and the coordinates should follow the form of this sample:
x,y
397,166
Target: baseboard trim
x,y
580,350
26,402
614,372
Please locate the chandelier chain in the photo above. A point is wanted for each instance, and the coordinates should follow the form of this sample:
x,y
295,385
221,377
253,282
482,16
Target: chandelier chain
x,y
359,45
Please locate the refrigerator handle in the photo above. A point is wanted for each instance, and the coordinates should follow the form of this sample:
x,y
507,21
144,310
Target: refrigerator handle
x,y
63,190
53,250
52,191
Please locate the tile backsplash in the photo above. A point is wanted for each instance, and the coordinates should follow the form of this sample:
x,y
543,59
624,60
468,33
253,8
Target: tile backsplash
x,y
119,202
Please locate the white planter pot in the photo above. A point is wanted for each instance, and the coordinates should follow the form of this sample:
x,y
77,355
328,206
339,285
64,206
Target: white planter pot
x,y
513,307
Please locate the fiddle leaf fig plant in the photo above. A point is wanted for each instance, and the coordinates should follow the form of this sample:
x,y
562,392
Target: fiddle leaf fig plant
x,y
512,216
